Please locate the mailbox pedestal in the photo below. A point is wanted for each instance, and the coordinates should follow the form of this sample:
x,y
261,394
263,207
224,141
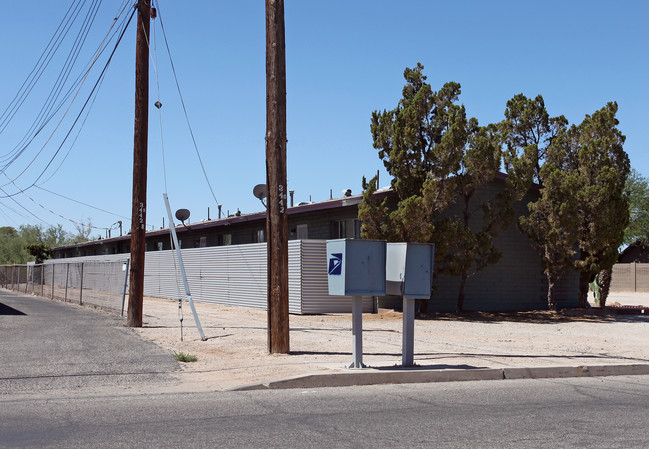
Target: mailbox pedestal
x,y
409,274
356,268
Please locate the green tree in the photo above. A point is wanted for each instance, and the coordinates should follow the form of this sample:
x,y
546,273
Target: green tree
x,y
554,217
56,236
83,231
437,157
602,166
15,244
39,251
637,190
31,233
12,249
528,132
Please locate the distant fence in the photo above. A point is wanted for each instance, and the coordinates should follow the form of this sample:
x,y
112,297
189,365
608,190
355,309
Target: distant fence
x,y
230,275
630,277
101,284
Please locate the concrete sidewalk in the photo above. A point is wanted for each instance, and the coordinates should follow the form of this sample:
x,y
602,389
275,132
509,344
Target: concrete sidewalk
x,y
447,348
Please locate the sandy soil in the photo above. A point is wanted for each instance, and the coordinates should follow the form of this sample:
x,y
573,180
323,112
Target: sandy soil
x,y
235,352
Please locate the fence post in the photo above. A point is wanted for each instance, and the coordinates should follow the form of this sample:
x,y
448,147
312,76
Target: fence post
x,y
128,261
634,273
81,286
67,276
53,266
26,277
43,280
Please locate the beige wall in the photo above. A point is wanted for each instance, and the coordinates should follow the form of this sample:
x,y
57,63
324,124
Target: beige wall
x,y
630,277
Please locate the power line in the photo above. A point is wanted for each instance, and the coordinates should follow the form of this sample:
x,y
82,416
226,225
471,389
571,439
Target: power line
x,y
40,65
82,203
27,140
63,217
45,114
97,83
25,209
182,102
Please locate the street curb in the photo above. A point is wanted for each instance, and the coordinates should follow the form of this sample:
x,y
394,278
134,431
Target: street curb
x,y
380,377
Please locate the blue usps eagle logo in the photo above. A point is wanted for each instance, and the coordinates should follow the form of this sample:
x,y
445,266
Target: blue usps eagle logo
x,y
336,264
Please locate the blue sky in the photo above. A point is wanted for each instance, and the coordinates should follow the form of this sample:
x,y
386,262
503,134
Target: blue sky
x,y
344,59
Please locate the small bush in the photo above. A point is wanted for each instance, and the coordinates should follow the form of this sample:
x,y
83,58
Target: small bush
x,y
182,357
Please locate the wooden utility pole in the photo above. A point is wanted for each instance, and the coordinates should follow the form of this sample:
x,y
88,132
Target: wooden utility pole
x,y
276,216
138,220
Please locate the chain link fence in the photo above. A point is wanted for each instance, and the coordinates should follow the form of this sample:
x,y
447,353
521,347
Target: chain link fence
x,y
100,284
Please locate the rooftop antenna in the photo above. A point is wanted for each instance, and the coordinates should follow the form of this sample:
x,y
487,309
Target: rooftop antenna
x,y
260,191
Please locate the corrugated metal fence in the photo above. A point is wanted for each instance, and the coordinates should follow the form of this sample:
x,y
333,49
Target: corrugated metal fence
x,y
230,275
630,277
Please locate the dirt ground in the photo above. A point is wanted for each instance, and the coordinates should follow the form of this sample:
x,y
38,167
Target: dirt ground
x,y
235,352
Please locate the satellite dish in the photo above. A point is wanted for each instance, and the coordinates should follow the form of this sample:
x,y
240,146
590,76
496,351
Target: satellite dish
x,y
260,191
182,215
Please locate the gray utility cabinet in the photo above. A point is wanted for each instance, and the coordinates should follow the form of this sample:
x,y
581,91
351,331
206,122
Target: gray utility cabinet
x,y
409,274
409,269
356,267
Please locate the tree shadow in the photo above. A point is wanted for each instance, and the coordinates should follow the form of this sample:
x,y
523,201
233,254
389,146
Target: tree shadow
x,y
608,314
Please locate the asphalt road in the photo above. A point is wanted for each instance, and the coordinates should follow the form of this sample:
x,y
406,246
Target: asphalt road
x,y
50,346
588,412
74,378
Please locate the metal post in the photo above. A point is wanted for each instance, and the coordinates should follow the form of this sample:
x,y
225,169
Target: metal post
x,y
172,228
128,261
42,280
357,332
67,276
408,334
81,286
53,266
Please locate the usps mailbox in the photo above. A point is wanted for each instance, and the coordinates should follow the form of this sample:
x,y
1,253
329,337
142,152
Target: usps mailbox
x,y
409,269
409,274
356,268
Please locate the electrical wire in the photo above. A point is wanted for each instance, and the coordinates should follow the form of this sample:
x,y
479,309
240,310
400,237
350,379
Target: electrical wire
x,y
27,140
83,204
97,83
93,96
27,85
63,75
59,215
26,210
154,59
182,102
65,72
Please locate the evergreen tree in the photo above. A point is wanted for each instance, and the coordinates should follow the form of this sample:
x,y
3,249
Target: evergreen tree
x,y
637,191
602,167
437,157
554,217
529,131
